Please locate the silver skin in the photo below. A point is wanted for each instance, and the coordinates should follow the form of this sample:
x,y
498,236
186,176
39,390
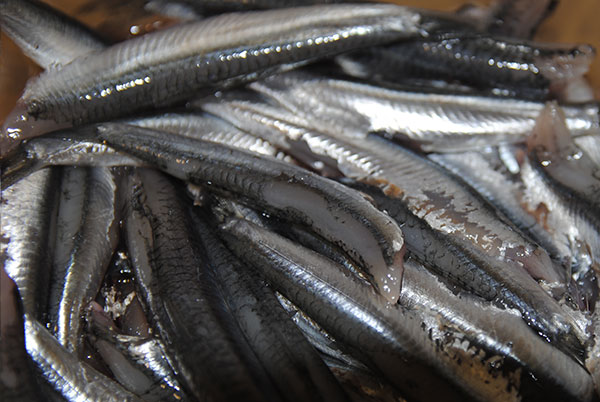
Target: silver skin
x,y
45,35
210,128
406,176
432,122
185,306
169,66
81,147
146,353
534,205
396,340
93,247
74,379
27,228
17,378
333,211
69,218
501,332
293,365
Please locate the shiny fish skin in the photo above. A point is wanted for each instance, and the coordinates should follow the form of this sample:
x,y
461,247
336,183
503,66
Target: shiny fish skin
x,y
559,225
497,65
185,306
95,242
209,128
431,121
381,164
44,34
290,360
74,379
69,218
139,73
391,339
338,214
501,333
27,228
58,150
17,378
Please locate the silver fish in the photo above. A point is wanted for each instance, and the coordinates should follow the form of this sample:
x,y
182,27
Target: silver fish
x,y
93,247
405,176
556,223
45,35
292,363
71,377
28,210
390,338
434,122
186,308
333,211
138,73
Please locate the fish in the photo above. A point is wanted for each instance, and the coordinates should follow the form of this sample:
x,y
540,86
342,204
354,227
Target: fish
x,y
556,223
494,65
502,334
431,122
378,163
28,225
290,360
74,379
47,36
17,378
58,149
146,353
96,238
390,339
185,307
136,74
334,212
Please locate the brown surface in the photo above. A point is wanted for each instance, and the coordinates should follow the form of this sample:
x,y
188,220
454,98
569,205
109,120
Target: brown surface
x,y
569,24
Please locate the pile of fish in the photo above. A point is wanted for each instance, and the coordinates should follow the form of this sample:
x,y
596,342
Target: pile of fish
x,y
286,200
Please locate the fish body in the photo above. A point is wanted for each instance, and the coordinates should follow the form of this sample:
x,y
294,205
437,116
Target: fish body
x,y
343,216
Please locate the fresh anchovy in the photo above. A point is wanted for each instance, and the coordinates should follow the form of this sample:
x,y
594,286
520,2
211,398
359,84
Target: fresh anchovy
x,y
147,353
391,338
209,128
507,340
69,217
28,211
557,224
433,122
93,247
168,66
45,35
59,149
71,377
560,158
419,187
317,336
292,363
17,380
502,66
333,211
184,303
